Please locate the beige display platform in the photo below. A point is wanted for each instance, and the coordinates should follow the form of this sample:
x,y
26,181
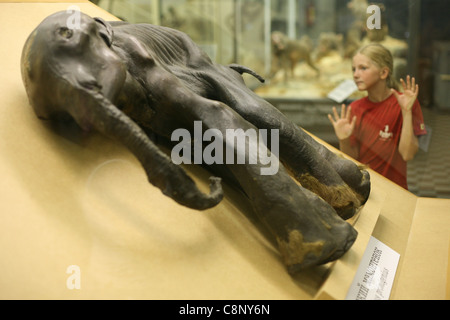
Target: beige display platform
x,y
70,200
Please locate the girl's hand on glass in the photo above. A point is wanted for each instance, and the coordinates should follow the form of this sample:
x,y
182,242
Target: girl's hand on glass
x,y
410,93
344,124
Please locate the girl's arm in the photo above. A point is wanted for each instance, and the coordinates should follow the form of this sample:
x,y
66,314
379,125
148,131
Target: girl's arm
x,y
346,147
408,144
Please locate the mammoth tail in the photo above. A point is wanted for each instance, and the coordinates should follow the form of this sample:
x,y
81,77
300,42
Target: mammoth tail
x,y
242,70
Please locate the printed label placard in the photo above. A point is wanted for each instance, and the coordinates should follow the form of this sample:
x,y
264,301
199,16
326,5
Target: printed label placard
x,y
376,273
343,91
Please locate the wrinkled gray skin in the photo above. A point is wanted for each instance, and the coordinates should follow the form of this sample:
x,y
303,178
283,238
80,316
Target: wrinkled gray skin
x,y
124,80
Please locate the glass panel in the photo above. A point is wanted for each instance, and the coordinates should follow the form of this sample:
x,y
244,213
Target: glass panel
x,y
322,36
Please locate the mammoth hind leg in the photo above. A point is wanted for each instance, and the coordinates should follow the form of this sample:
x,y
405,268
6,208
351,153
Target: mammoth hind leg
x,y
307,229
338,181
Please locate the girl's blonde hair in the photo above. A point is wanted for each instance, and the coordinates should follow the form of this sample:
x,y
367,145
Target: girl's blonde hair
x,y
383,58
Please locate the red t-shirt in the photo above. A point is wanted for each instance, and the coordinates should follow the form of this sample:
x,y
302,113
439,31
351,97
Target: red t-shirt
x,y
377,134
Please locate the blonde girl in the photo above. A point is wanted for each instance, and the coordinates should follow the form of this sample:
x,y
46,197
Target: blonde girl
x,y
381,129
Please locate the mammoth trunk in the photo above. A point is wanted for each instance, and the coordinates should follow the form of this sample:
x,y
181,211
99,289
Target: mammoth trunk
x,y
171,179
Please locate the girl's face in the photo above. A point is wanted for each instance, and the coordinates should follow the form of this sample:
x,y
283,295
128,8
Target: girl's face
x,y
366,73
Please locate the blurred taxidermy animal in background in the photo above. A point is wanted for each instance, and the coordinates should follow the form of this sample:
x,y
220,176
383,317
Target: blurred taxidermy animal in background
x,y
286,53
357,30
329,42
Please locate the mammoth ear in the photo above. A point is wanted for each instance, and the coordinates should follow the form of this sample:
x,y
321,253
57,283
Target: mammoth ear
x,y
106,31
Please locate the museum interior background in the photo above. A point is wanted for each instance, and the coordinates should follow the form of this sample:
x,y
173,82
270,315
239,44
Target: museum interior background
x,y
325,31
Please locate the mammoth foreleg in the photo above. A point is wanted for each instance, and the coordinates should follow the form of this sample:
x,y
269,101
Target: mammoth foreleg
x,y
171,179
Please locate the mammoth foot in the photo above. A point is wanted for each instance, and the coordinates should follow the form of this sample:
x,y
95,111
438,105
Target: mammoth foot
x,y
299,254
332,239
307,229
344,199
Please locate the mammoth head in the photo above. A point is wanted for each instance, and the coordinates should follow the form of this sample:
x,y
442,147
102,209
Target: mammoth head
x,y
73,72
58,60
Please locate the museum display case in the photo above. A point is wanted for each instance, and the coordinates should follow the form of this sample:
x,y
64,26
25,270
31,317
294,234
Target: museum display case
x,y
80,221
326,33
314,73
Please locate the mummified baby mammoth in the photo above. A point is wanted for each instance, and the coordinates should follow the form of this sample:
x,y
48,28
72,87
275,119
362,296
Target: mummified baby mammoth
x,y
124,80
